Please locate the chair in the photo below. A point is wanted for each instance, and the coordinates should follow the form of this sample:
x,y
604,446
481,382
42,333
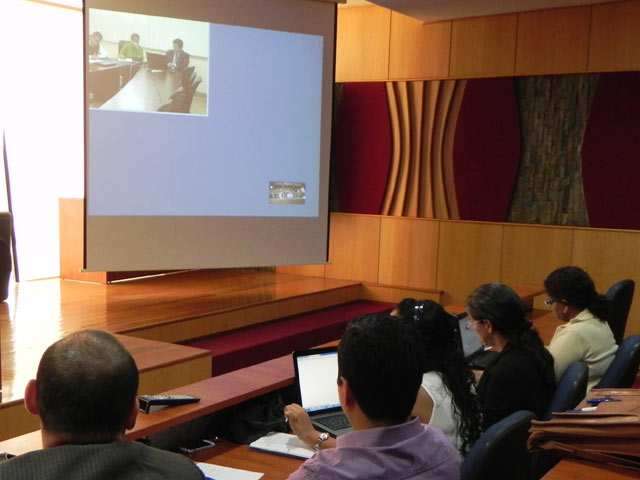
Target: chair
x,y
175,103
571,389
186,76
624,368
501,452
620,296
121,44
189,94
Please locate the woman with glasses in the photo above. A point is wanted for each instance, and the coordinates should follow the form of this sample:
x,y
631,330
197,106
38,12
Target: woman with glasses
x,y
586,337
447,398
521,376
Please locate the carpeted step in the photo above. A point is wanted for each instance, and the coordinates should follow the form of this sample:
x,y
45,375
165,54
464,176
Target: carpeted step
x,y
248,346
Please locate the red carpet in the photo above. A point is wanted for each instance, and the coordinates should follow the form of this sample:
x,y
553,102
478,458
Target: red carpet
x,y
248,346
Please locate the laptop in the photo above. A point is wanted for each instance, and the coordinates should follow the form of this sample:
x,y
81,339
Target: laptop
x,y
475,353
316,372
156,61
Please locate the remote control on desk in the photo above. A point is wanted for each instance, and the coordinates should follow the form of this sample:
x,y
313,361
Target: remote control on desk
x,y
148,401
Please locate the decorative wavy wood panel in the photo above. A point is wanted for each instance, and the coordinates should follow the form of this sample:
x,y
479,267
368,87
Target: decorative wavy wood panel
x,y
423,117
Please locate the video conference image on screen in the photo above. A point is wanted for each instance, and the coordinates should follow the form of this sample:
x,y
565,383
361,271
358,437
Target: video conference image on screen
x,y
144,63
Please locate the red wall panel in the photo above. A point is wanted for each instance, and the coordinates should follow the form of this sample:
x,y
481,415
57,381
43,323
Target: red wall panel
x,y
486,151
362,147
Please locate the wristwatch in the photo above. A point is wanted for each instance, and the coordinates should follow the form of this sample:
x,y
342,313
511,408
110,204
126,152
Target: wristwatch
x,y
321,438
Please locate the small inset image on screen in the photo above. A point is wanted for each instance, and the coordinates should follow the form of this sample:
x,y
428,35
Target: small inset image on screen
x,y
144,63
287,193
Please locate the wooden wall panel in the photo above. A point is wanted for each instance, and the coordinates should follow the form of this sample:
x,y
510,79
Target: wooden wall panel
x,y
393,294
553,41
354,243
615,42
408,252
362,44
484,46
530,253
468,255
71,211
307,270
417,50
609,256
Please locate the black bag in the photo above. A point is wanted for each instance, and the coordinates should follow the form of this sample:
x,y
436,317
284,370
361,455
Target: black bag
x,y
256,418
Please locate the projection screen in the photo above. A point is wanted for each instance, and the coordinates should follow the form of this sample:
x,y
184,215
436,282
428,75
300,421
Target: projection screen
x,y
208,130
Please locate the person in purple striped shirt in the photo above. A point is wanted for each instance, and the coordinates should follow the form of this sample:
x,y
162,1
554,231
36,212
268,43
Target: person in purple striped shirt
x,y
380,363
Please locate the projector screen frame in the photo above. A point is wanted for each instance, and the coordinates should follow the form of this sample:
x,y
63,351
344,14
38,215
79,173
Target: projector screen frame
x,y
224,258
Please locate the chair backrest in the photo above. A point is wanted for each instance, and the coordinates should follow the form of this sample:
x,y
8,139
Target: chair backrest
x,y
620,296
624,368
501,451
571,389
189,94
175,103
121,44
186,76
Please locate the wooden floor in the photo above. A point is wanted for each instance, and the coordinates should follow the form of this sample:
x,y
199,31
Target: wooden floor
x,y
167,308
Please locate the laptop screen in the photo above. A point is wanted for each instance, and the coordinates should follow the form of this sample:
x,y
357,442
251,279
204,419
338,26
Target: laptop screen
x,y
317,374
470,341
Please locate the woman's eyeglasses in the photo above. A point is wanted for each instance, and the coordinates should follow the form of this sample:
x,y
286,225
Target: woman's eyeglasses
x,y
551,301
472,325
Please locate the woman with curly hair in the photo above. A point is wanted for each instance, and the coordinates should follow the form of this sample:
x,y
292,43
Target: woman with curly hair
x,y
447,399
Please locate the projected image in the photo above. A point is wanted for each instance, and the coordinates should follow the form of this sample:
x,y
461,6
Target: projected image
x,y
287,193
144,63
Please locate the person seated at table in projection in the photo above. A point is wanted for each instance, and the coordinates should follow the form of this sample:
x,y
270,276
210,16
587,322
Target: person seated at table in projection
x,y
85,395
586,337
447,399
177,58
94,46
380,366
521,377
132,49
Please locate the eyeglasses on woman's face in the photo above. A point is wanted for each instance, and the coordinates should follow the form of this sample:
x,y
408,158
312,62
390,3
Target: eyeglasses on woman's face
x,y
551,301
472,325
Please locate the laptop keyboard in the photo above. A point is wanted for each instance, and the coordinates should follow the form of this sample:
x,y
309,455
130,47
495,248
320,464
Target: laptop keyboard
x,y
334,422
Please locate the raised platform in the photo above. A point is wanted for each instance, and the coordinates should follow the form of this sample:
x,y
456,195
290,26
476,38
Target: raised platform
x,y
147,312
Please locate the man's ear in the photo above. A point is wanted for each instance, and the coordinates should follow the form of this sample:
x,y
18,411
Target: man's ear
x,y
345,393
133,415
31,397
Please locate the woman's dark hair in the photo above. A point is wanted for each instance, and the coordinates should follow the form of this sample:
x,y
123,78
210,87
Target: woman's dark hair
x,y
443,355
574,287
503,308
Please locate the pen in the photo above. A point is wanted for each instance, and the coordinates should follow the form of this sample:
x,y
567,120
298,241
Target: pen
x,y
596,401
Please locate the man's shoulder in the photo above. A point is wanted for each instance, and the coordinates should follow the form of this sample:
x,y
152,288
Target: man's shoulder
x,y
126,459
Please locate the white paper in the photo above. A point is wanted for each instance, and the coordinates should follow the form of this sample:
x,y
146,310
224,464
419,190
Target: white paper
x,y
216,472
283,443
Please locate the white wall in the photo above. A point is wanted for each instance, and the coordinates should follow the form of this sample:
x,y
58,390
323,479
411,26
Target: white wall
x,y
42,102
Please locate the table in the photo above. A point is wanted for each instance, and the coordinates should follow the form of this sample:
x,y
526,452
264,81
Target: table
x,y
227,454
148,90
104,80
571,469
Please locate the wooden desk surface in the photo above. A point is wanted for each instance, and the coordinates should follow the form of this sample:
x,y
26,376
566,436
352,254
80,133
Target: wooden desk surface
x,y
227,454
570,469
